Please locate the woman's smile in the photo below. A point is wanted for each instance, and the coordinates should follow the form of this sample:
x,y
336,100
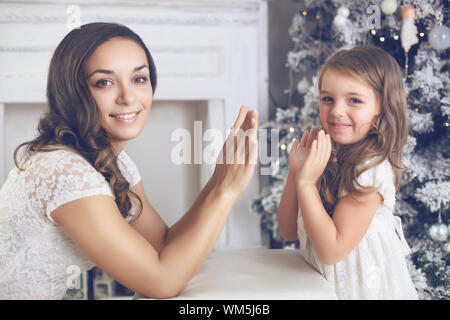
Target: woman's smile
x,y
127,117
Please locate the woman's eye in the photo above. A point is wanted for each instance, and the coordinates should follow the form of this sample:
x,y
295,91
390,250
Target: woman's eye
x,y
102,83
140,79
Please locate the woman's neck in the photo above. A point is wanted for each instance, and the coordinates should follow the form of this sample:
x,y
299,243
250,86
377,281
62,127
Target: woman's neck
x,y
118,146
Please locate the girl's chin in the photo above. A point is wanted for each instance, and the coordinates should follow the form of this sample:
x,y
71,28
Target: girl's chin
x,y
341,141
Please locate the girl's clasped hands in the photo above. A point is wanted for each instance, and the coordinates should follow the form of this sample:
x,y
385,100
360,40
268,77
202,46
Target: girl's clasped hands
x,y
308,157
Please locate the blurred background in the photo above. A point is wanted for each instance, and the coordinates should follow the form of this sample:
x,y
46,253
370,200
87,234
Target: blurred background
x,y
212,57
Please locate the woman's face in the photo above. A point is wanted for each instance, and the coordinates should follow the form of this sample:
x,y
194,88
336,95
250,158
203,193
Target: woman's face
x,y
118,78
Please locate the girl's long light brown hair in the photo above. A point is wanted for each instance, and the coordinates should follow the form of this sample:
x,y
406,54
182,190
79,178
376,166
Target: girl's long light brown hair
x,y
73,119
388,135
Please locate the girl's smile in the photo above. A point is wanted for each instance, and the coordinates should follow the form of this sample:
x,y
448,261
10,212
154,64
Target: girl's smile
x,y
335,126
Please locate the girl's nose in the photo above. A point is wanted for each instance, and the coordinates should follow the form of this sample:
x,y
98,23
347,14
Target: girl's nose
x,y
126,96
338,109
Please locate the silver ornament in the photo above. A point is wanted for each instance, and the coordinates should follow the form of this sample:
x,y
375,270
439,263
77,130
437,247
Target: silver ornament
x,y
339,21
303,86
439,37
344,12
439,232
447,247
389,6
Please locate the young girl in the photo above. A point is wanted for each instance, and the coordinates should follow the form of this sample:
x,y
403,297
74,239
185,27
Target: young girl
x,y
77,200
340,190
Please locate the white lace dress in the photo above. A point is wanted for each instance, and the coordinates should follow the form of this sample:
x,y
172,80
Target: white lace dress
x,y
376,268
35,253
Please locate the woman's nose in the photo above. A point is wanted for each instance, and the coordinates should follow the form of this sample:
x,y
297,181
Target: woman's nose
x,y
126,95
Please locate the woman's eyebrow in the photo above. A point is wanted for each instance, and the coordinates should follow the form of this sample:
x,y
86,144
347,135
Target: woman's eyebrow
x,y
106,71
140,67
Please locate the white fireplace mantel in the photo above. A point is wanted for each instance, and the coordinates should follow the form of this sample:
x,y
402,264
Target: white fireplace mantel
x,y
212,51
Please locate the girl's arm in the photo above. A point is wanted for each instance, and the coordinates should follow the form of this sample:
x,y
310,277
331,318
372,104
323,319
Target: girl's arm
x,y
288,207
332,238
156,268
288,210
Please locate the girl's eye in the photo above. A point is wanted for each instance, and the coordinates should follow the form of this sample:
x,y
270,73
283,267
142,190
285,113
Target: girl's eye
x,y
140,79
102,83
327,99
355,100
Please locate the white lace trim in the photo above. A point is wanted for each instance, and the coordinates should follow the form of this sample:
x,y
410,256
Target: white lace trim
x,y
35,252
128,169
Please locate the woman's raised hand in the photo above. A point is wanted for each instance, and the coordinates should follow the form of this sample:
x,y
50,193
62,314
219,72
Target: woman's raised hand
x,y
310,157
237,159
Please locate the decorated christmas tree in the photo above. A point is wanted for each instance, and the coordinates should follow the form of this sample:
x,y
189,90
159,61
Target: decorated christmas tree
x,y
416,34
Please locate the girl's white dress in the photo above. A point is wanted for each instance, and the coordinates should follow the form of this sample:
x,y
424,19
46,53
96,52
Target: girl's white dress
x,y
37,258
376,268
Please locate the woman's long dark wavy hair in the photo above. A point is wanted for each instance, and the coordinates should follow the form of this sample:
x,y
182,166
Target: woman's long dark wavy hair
x,y
73,118
388,135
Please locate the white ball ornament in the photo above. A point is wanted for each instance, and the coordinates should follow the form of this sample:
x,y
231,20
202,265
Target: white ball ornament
x,y
341,17
303,86
447,247
344,12
439,232
339,21
389,6
439,37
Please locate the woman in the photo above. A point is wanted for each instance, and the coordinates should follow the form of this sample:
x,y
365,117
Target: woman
x,y
76,198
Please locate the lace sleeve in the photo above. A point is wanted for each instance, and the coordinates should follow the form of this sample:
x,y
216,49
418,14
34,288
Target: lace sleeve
x,y
382,178
57,177
128,168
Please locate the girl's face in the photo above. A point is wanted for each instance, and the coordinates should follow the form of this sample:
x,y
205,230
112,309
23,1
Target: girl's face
x,y
348,107
118,78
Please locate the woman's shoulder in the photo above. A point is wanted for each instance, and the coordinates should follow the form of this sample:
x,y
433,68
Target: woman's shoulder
x,y
60,175
56,159
52,152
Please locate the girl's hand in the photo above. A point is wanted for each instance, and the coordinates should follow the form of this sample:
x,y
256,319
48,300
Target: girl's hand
x,y
316,160
237,159
297,157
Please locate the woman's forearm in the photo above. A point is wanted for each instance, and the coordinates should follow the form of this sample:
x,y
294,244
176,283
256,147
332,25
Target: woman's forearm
x,y
189,242
185,221
319,226
192,238
288,209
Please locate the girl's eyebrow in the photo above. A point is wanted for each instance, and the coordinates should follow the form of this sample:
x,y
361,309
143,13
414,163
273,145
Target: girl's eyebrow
x,y
347,93
106,71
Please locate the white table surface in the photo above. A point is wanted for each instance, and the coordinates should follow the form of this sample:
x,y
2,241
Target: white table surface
x,y
256,274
